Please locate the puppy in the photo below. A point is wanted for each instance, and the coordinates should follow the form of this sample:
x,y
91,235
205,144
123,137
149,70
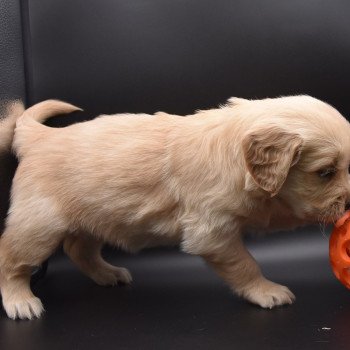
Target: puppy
x,y
137,181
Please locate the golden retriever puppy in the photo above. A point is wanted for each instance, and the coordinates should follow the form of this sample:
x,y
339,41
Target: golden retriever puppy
x,y
140,180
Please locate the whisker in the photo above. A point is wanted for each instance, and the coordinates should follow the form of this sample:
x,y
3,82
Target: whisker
x,y
330,216
323,230
322,225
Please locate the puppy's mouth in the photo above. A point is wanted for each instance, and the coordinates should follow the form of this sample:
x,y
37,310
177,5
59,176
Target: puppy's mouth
x,y
332,214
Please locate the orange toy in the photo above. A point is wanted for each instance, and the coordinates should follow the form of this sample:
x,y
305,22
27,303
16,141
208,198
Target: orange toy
x,y
339,249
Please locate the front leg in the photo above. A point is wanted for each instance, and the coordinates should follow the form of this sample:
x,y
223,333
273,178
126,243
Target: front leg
x,y
240,270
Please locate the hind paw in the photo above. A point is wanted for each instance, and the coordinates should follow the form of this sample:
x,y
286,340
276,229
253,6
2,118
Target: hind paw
x,y
28,308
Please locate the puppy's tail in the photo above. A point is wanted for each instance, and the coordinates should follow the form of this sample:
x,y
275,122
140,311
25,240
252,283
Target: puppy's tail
x,y
28,127
14,114
45,110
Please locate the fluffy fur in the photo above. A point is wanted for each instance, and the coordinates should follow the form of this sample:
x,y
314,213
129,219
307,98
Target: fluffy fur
x,y
137,181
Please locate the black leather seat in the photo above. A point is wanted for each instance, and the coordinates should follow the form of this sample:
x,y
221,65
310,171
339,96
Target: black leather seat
x,y
178,56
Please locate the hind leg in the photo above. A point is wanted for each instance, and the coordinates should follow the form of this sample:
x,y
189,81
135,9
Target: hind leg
x,y
22,247
85,251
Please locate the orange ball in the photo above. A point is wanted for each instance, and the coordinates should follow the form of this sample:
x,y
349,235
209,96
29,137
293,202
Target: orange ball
x,y
339,249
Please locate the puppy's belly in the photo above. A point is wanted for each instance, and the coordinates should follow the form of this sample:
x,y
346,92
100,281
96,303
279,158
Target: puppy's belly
x,y
136,241
136,235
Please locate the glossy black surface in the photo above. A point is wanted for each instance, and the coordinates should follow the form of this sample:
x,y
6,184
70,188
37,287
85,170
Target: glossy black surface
x,y
177,302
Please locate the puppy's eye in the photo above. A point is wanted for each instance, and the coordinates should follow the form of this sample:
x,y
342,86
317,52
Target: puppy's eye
x,y
327,173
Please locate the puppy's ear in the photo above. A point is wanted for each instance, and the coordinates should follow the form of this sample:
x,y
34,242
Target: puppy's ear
x,y
269,152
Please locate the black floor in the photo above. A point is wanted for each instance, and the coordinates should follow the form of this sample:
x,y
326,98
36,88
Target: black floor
x,y
177,302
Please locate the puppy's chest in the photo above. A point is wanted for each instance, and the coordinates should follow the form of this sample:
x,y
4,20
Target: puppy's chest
x,y
273,216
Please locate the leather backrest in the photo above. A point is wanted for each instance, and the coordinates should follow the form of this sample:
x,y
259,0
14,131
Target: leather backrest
x,y
12,83
181,55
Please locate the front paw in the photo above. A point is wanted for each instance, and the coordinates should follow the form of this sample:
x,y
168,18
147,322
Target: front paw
x,y
267,294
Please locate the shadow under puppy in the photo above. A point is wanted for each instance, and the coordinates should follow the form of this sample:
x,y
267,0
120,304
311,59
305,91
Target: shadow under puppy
x,y
140,180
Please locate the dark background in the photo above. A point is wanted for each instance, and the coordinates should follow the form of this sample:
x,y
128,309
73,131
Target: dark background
x,y
112,56
180,55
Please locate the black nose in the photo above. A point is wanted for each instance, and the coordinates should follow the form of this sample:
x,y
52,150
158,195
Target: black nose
x,y
347,206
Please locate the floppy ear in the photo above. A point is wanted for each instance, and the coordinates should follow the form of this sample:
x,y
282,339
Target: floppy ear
x,y
269,152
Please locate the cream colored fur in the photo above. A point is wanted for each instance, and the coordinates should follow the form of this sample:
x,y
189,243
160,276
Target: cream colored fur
x,y
137,181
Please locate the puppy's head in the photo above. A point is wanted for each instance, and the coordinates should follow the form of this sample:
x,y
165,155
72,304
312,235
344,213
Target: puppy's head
x,y
298,150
